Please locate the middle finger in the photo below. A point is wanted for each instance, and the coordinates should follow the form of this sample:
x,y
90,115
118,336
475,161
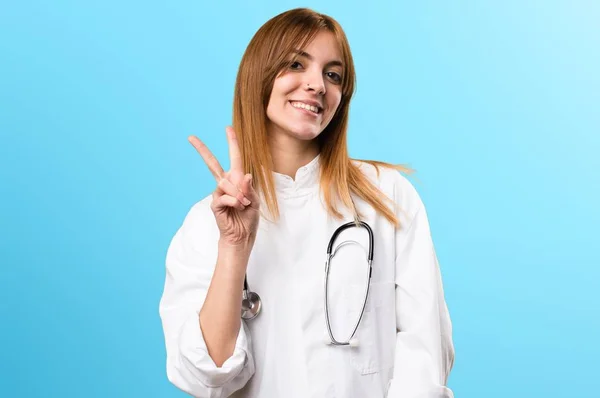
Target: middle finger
x,y
235,157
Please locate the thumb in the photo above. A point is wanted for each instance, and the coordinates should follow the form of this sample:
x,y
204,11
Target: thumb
x,y
248,189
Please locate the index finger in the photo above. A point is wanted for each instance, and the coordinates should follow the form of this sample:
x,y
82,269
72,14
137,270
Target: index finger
x,y
235,157
211,161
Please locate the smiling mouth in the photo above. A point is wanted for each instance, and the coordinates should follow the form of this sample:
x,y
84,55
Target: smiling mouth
x,y
310,108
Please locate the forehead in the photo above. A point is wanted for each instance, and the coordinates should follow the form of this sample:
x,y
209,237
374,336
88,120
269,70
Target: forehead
x,y
324,47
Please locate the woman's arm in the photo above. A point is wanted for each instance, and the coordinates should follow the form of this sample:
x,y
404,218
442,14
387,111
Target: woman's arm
x,y
424,350
191,262
220,318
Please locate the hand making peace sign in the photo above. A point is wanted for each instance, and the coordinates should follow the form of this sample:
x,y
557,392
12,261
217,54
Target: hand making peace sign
x,y
235,202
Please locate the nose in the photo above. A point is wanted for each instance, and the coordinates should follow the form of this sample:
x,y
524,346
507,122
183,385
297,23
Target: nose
x,y
315,83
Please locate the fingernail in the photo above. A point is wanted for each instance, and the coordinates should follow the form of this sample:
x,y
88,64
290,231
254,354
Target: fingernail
x,y
246,202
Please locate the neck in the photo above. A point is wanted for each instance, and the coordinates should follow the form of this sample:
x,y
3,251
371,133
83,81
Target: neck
x,y
290,154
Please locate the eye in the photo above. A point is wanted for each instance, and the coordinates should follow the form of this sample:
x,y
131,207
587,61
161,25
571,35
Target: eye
x,y
334,77
296,65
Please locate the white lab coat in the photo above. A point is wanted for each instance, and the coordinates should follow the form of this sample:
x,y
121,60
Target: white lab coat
x,y
405,337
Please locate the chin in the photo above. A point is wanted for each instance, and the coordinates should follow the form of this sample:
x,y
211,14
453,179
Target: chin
x,y
299,131
305,135
304,132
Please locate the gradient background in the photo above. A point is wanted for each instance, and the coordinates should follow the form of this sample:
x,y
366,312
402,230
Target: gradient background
x,y
496,105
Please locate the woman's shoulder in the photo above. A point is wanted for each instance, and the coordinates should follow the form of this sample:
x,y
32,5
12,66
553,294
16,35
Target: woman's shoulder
x,y
394,183
202,206
199,220
199,210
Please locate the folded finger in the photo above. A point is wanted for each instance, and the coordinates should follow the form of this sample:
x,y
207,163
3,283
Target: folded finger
x,y
224,201
228,188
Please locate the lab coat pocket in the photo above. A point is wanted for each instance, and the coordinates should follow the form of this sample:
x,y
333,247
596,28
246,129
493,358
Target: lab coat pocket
x,y
376,333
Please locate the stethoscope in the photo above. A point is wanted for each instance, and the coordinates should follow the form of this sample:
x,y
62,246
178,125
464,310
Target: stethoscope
x,y
251,302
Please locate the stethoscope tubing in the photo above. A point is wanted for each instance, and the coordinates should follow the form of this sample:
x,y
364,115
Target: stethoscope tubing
x,y
330,255
251,302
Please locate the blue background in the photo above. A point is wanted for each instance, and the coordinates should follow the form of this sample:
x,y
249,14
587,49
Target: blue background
x,y
495,104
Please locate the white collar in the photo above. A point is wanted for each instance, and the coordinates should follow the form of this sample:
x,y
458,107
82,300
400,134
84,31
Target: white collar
x,y
306,180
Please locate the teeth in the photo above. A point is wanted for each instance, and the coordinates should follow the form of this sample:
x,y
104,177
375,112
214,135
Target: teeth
x,y
302,105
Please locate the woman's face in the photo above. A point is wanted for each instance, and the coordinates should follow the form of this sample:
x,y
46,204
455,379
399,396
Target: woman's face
x,y
306,95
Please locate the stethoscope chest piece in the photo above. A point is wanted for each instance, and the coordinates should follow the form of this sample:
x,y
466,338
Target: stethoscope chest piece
x,y
251,304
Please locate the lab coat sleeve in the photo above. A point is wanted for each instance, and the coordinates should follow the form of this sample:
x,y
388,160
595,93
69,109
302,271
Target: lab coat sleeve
x,y
424,350
189,267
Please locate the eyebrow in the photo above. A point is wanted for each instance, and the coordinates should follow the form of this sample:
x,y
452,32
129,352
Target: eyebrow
x,y
304,54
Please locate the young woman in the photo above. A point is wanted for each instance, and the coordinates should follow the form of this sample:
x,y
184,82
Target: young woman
x,y
356,311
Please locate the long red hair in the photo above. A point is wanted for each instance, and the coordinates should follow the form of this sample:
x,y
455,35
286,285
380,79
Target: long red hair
x,y
265,57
